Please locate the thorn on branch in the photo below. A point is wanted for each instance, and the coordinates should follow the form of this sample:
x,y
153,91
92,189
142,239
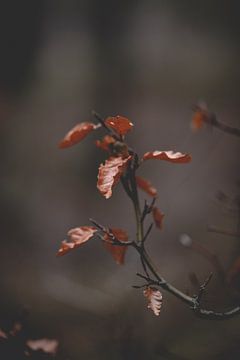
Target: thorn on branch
x,y
203,288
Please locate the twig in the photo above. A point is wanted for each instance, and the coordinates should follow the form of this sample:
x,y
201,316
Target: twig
x,y
221,231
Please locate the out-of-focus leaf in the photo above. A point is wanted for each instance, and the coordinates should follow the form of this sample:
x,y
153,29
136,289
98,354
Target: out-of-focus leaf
x,y
76,134
157,217
118,252
105,143
77,237
120,124
48,346
3,335
198,120
110,173
174,157
154,298
146,186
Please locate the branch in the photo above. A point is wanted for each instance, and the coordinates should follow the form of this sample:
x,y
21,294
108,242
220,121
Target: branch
x,y
192,301
223,232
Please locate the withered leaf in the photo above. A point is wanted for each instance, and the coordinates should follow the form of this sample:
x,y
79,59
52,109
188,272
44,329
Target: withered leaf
x,y
76,134
154,298
120,124
157,217
77,237
48,346
110,173
105,143
118,252
146,186
174,157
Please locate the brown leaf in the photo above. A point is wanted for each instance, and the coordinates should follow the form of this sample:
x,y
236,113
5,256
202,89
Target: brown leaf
x,y
171,156
118,252
76,134
110,173
119,123
105,143
157,217
198,120
48,346
154,299
3,335
77,237
146,186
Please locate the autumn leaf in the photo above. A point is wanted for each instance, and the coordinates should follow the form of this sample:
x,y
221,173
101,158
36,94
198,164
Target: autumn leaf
x,y
110,173
174,157
120,124
157,217
76,134
154,298
198,120
48,346
118,252
146,186
77,237
105,143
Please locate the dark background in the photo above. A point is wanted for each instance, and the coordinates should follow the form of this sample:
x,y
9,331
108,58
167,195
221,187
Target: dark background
x,y
149,61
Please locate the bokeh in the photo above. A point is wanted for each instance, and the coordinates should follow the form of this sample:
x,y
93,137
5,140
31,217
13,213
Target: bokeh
x,y
150,61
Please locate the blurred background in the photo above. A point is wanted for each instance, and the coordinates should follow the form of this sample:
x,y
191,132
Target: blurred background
x,y
149,61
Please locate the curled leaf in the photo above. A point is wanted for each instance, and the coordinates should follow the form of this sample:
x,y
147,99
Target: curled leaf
x,y
76,134
146,186
48,346
157,217
154,298
120,124
105,143
118,252
174,157
77,237
110,173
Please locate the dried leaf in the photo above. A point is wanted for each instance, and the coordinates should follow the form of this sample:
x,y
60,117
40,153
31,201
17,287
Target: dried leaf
x,y
75,135
154,299
157,217
146,186
110,173
3,335
198,120
120,124
77,237
171,156
48,346
118,252
105,143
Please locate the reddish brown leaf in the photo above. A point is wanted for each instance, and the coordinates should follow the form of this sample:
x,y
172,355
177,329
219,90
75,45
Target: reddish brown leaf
x,y
105,143
146,186
154,298
118,252
198,120
157,217
171,156
77,237
75,135
110,173
3,335
119,123
48,346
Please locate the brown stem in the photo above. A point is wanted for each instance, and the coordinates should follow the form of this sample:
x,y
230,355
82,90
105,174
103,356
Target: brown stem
x,y
193,302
